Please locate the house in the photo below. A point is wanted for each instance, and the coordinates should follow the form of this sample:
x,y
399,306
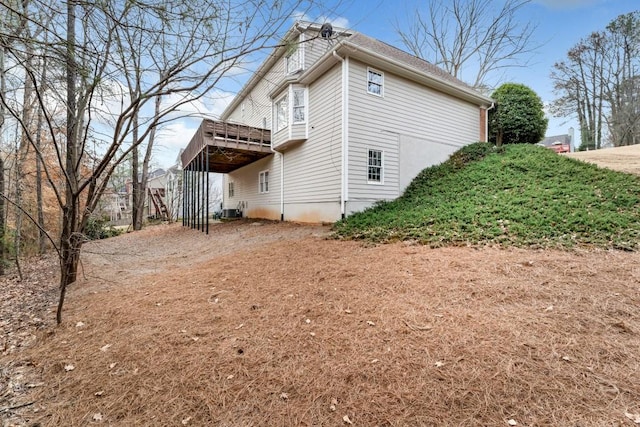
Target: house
x,y
330,123
559,143
163,196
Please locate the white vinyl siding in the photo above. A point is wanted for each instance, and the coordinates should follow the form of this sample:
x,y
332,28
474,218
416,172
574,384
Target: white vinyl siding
x,y
314,48
247,196
257,104
312,168
441,122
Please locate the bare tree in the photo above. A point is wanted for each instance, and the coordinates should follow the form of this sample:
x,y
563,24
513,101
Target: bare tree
x,y
581,80
599,83
204,42
470,39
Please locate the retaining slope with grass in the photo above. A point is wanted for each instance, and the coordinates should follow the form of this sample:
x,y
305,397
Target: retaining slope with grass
x,y
517,195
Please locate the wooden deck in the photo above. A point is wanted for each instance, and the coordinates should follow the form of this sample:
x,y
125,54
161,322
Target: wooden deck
x,y
223,147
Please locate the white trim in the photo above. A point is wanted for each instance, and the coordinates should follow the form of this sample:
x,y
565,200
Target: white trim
x,y
303,38
381,182
290,110
345,130
381,74
266,174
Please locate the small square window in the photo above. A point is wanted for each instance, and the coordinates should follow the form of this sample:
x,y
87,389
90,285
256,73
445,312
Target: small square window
x,y
263,182
374,170
375,82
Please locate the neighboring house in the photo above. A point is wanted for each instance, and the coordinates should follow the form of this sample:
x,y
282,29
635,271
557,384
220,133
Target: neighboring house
x,y
155,205
163,197
115,206
331,123
559,143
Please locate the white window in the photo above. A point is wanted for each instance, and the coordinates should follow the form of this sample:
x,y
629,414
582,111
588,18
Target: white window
x,y
232,190
282,113
293,61
263,182
374,166
375,82
298,106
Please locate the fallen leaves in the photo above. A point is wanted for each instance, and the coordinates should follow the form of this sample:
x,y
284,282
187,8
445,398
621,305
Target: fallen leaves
x,y
417,327
633,417
334,404
347,420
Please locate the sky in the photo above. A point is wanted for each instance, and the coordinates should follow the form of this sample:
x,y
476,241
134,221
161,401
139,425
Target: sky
x,y
560,25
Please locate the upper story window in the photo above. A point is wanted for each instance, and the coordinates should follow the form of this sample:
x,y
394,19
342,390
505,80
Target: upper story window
x,y
374,167
281,115
375,82
298,106
293,61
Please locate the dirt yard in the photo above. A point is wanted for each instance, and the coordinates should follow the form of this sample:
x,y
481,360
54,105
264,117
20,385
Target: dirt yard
x,y
267,324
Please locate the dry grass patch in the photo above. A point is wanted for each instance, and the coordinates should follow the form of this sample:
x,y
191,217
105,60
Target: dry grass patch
x,y
297,330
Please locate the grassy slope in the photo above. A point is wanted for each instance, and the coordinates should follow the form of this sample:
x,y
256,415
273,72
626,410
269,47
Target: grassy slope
x,y
521,195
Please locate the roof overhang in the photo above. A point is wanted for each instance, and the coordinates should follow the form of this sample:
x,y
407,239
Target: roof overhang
x,y
346,48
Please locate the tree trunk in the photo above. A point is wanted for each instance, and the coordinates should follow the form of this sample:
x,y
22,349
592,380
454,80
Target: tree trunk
x,y
137,202
3,90
70,245
41,234
2,216
70,241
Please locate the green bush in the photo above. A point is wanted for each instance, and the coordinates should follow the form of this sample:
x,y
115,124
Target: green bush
x,y
99,228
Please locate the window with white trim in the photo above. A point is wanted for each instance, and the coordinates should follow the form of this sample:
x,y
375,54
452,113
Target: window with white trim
x,y
375,82
293,61
298,106
232,190
375,167
263,182
281,115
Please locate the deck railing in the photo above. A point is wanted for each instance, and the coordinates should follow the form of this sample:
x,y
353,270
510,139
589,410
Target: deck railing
x,y
228,135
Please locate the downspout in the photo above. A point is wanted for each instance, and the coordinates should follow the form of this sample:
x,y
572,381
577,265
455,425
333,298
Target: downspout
x,y
345,134
281,186
486,121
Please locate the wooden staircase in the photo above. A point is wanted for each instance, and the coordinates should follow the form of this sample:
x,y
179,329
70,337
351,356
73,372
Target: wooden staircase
x,y
157,198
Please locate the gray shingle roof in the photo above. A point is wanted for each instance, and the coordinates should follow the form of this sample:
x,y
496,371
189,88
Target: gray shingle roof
x,y
406,58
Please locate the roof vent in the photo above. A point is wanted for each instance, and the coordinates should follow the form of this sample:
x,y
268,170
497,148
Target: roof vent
x,y
326,31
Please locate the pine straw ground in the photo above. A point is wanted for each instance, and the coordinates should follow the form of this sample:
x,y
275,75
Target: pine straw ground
x,y
274,325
